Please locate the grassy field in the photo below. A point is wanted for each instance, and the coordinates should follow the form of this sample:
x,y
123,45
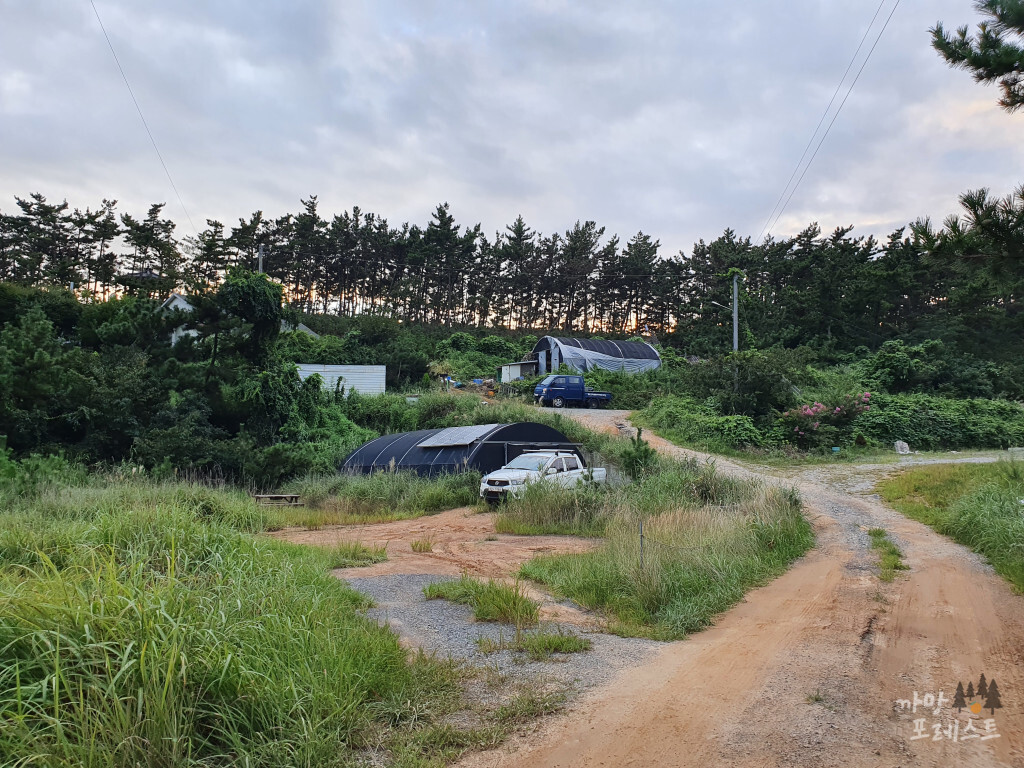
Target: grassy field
x,y
978,505
143,624
707,539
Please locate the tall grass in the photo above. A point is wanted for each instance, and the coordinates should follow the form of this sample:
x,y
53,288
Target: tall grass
x,y
378,497
697,559
141,626
586,509
491,600
978,505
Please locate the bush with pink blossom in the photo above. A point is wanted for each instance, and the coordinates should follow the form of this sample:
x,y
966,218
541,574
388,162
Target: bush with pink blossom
x,y
814,425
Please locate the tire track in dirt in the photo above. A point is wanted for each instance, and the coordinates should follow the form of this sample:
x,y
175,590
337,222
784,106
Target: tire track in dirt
x,y
807,669
462,540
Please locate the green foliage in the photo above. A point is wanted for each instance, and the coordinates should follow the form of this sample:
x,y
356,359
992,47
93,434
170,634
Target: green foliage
x,y
706,541
995,53
934,423
932,312
149,631
343,498
540,645
491,600
749,383
27,478
684,420
587,510
932,367
816,425
352,554
547,508
890,559
639,459
978,505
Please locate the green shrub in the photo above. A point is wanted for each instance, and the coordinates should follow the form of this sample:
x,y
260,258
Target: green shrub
x,y
814,425
33,474
934,423
684,420
638,459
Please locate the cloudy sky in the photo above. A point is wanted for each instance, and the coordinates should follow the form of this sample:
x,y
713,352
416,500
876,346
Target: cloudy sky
x,y
675,118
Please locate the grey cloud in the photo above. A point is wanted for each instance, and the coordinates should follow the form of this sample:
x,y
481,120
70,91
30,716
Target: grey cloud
x,y
676,119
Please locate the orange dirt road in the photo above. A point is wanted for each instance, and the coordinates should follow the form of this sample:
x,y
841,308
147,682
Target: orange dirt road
x,y
462,541
807,670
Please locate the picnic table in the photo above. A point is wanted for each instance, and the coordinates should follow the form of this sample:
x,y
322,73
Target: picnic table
x,y
278,499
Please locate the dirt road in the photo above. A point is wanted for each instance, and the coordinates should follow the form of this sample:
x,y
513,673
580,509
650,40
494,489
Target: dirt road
x,y
807,671
461,541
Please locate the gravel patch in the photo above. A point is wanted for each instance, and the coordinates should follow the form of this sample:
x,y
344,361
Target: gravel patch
x,y
449,630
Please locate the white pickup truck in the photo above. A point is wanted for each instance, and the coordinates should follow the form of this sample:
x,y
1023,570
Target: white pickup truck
x,y
562,467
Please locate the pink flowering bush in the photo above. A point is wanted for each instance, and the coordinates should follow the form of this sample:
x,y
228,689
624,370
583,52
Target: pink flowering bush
x,y
814,425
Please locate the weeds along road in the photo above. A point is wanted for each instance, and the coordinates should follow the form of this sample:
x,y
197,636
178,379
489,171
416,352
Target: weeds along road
x,y
807,670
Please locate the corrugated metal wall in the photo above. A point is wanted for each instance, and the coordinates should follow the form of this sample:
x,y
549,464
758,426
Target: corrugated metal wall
x,y
364,379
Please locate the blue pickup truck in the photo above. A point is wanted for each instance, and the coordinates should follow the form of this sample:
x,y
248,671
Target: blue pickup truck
x,y
561,391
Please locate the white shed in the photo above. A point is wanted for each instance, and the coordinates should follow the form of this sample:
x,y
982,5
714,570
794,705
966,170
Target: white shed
x,y
364,379
516,371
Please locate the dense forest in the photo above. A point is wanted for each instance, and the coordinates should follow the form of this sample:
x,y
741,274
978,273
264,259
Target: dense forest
x,y
962,281
844,340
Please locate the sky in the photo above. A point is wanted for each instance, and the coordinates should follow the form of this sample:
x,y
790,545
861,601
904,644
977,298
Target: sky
x,y
678,119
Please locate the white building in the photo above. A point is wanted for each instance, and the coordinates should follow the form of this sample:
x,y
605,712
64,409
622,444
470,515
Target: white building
x,y
364,379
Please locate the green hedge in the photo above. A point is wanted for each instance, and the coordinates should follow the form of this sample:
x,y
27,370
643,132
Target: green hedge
x,y
684,420
931,423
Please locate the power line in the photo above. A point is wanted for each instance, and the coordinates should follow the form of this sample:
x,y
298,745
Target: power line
x,y
142,117
836,115
824,114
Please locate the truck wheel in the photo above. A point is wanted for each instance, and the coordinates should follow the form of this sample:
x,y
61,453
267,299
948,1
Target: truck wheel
x,y
594,404
558,402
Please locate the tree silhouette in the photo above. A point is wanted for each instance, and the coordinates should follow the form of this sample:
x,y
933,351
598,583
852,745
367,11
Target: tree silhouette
x,y
982,687
958,698
992,702
970,690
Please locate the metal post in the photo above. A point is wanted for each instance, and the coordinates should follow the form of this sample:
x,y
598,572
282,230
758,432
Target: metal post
x,y
261,259
641,543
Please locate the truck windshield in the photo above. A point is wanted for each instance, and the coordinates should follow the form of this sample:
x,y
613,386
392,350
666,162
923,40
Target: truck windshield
x,y
547,380
528,461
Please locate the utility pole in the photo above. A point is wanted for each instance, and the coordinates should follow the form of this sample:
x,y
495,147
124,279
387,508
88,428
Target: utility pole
x,y
735,312
261,259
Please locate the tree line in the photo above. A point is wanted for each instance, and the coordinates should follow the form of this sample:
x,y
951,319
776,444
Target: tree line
x,y
812,288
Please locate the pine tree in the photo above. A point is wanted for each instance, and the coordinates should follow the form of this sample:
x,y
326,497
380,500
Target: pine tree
x,y
958,698
992,702
982,687
970,691
995,53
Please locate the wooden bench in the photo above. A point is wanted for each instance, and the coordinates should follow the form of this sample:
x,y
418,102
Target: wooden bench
x,y
278,499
